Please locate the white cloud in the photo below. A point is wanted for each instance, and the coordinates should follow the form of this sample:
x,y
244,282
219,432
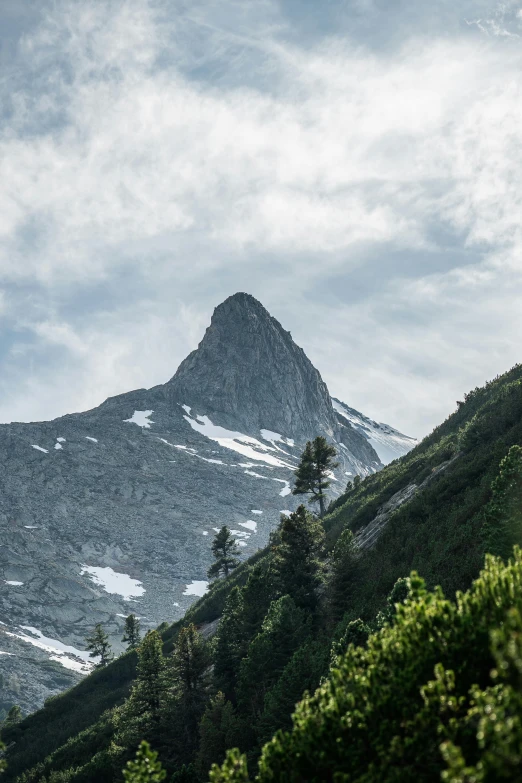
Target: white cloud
x,y
199,153
330,159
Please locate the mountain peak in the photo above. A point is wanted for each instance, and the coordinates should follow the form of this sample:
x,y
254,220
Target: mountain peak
x,y
242,300
240,310
247,369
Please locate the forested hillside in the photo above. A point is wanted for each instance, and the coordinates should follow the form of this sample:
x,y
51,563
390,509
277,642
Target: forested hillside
x,y
334,593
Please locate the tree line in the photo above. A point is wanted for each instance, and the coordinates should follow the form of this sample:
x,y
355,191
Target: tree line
x,y
312,477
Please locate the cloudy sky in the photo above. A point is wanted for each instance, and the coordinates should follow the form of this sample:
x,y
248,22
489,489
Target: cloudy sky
x,y
354,164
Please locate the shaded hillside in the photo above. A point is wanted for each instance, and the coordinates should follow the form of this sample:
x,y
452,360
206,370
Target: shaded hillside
x,y
433,506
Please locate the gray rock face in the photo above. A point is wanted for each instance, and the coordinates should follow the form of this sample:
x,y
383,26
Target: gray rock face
x,y
113,510
248,371
368,536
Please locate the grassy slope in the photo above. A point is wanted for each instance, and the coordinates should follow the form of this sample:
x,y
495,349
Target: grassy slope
x,y
436,533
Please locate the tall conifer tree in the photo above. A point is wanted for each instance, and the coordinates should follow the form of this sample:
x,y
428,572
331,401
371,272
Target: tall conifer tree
x,y
99,646
297,564
231,642
142,713
225,551
311,476
217,733
284,629
188,667
131,632
151,681
342,573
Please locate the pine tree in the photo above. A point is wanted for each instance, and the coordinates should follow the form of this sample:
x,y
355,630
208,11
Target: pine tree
x,y
297,564
189,661
342,573
258,593
302,673
99,646
131,632
142,712
355,632
150,683
188,672
217,733
225,551
311,476
284,629
230,644
145,768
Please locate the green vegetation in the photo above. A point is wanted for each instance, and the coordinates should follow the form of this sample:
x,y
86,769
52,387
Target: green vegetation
x,y
99,647
146,768
131,632
311,476
435,695
225,551
405,680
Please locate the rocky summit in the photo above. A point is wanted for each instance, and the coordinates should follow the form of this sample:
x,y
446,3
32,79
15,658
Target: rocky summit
x,y
112,511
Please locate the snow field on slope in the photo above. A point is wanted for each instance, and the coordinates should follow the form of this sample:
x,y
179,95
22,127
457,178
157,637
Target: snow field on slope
x,y
141,418
114,582
197,588
387,442
236,441
60,652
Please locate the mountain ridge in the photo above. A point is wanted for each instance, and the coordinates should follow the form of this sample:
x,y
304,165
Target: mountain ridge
x,y
129,494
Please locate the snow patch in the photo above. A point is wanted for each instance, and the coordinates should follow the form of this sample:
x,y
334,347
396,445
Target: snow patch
x,y
196,588
388,442
114,582
60,440
256,475
31,527
286,512
93,440
179,446
205,532
250,525
39,448
5,653
141,418
286,489
69,657
236,441
15,584
241,543
276,437
58,446
255,511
